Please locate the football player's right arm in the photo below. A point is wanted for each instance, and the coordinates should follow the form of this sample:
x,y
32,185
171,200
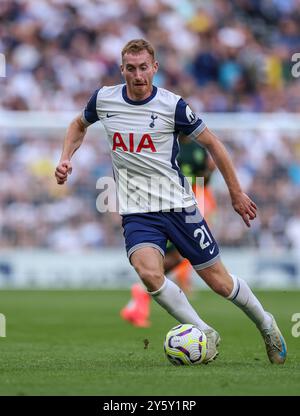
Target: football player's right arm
x,y
73,140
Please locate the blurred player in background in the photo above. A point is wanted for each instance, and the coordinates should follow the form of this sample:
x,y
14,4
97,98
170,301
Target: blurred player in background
x,y
194,162
142,123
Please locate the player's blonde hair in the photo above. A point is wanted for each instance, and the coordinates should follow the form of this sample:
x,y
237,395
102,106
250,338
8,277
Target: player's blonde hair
x,y
135,46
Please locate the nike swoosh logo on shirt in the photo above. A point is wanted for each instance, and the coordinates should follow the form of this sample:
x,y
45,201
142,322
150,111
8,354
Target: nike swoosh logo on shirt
x,y
110,115
212,250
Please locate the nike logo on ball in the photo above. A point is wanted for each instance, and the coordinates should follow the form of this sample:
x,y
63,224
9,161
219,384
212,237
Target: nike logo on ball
x,y
212,250
110,115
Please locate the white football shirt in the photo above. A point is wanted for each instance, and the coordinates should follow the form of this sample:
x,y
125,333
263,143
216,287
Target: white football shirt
x,y
143,139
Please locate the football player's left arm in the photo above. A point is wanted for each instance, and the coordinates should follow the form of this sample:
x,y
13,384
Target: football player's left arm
x,y
241,203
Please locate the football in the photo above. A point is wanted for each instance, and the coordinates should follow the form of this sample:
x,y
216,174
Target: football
x,y
185,345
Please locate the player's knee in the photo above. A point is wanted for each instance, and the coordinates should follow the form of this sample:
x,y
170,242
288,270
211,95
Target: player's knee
x,y
152,279
220,287
218,279
218,283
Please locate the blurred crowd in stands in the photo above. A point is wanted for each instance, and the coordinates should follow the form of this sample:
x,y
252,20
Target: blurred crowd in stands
x,y
35,212
221,55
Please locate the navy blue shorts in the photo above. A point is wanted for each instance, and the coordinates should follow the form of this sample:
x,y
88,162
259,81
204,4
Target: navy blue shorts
x,y
187,230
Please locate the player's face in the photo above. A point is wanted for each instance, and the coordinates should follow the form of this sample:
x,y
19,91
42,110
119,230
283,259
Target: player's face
x,y
138,71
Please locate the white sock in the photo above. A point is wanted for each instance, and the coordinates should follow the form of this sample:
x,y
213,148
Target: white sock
x,y
174,301
243,297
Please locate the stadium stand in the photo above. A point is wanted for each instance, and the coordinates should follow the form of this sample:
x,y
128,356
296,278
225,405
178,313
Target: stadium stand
x,y
230,56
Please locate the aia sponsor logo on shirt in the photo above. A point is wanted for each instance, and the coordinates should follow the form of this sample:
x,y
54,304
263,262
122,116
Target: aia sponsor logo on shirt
x,y
132,143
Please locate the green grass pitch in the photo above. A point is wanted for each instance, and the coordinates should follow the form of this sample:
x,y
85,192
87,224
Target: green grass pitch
x,y
74,343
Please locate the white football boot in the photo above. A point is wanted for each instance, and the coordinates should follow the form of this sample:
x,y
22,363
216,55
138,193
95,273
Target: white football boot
x,y
275,343
213,340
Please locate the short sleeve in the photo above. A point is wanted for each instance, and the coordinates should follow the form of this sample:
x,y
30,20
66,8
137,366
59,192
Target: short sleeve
x,y
89,114
186,121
